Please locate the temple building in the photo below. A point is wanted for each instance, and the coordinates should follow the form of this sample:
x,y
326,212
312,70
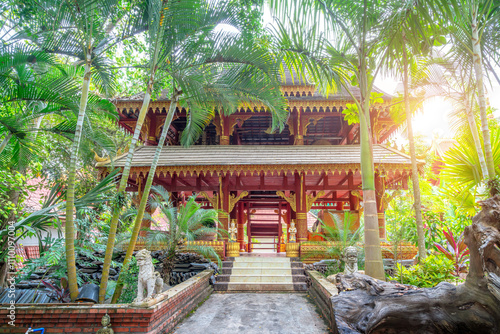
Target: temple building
x,y
263,179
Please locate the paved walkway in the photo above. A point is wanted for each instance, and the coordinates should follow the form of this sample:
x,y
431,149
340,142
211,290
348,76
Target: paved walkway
x,y
254,313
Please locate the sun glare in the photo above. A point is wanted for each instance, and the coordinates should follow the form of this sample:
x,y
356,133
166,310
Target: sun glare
x,y
433,119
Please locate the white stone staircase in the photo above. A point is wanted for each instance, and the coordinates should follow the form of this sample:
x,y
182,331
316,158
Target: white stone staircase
x,y
247,274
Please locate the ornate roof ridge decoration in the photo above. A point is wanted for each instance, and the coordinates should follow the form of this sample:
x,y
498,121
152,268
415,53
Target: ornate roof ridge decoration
x,y
103,161
244,170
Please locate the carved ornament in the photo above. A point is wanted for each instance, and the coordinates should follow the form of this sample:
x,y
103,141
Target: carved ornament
x,y
310,199
311,119
234,199
233,120
291,199
213,200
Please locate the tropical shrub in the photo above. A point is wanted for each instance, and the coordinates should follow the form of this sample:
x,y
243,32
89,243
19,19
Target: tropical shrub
x,y
130,283
429,272
455,250
185,223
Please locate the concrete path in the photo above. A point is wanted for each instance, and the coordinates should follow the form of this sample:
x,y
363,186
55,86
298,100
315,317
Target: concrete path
x,y
254,313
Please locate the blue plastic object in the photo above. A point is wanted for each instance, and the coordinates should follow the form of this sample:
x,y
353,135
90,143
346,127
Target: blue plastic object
x,y
36,330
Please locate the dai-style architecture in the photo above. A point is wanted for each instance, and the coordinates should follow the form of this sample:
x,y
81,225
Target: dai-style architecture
x,y
264,179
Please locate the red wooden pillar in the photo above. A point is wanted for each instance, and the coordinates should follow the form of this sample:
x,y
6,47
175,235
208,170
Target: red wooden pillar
x,y
249,227
379,192
280,229
301,206
241,223
146,223
224,203
151,140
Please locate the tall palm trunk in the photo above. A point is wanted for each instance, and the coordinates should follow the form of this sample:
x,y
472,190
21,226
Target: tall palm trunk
x,y
126,169
5,141
373,252
70,191
475,135
477,60
145,195
121,193
417,204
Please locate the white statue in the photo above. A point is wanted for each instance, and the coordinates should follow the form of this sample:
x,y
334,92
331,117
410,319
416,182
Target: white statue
x,y
149,279
232,231
351,260
292,232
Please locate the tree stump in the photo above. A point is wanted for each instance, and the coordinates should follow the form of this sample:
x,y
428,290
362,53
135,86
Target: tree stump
x,y
367,305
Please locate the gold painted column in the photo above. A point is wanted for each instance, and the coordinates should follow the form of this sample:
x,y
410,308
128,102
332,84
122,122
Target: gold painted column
x,y
380,192
222,128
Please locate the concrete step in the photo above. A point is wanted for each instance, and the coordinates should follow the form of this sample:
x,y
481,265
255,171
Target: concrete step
x,y
258,287
254,274
268,271
261,259
266,278
266,264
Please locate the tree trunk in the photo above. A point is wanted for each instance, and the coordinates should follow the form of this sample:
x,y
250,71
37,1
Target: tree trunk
x,y
373,253
365,305
475,136
417,204
478,68
5,141
70,191
145,195
126,169
121,192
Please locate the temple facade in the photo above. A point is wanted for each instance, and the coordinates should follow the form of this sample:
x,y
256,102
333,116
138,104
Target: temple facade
x,y
263,180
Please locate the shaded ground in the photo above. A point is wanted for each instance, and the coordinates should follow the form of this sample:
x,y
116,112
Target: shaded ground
x,y
254,313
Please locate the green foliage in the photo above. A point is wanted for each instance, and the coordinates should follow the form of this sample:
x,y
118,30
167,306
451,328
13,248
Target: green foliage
x,y
13,190
185,223
351,113
129,292
341,235
431,271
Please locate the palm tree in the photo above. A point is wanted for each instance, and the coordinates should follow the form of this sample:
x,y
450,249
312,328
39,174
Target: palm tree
x,y
359,34
210,70
83,30
37,96
158,31
185,224
470,25
414,38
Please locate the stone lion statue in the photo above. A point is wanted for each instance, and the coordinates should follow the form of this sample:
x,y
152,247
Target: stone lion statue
x,y
351,260
148,279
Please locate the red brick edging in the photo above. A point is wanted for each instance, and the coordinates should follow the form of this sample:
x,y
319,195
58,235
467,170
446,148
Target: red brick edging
x,y
158,316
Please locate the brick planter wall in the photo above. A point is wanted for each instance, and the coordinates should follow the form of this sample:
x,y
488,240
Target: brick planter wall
x,y
321,291
159,315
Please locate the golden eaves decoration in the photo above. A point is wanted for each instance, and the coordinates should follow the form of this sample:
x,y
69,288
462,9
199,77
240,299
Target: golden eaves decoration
x,y
310,199
234,199
290,199
214,201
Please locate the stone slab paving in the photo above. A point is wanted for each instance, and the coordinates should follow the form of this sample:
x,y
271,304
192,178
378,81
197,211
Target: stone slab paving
x,y
254,313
